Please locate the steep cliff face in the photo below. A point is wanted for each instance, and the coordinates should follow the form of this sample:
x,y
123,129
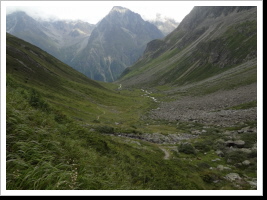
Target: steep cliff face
x,y
207,42
116,43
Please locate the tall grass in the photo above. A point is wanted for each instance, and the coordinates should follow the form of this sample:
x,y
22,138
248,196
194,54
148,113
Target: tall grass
x,y
46,153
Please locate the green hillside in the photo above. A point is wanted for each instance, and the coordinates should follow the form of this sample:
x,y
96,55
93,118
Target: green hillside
x,y
59,126
194,131
208,42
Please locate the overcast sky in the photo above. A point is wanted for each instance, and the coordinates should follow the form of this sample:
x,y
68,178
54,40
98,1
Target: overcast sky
x,y
94,11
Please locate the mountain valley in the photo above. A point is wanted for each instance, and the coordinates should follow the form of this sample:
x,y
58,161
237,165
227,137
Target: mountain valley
x,y
117,41
183,116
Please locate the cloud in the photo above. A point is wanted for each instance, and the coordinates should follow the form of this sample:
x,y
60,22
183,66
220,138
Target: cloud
x,y
93,12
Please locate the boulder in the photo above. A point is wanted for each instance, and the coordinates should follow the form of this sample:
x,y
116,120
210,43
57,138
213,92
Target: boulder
x,y
246,162
236,143
232,176
219,153
253,183
221,167
239,143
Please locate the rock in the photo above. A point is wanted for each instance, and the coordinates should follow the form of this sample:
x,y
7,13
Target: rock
x,y
226,168
197,132
219,153
254,147
233,177
227,133
253,183
221,167
246,150
254,130
246,129
246,162
240,131
239,143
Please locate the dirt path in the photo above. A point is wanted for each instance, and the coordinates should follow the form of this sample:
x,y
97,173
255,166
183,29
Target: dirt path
x,y
167,154
103,113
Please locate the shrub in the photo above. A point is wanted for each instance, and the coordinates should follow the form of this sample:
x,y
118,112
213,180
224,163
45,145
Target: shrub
x,y
209,176
204,146
236,156
60,117
105,129
36,101
186,148
249,138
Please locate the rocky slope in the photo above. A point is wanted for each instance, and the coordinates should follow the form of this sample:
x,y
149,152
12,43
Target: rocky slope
x,y
116,43
205,71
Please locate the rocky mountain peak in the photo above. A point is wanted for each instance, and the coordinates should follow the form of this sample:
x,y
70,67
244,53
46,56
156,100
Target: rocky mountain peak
x,y
119,9
117,41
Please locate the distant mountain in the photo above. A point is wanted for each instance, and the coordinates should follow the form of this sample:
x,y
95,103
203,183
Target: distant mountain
x,y
209,41
99,51
165,25
63,39
117,42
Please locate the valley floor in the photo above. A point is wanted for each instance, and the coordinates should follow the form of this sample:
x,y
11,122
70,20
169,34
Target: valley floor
x,y
66,132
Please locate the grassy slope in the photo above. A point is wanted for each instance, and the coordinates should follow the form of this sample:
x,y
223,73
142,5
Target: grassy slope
x,y
48,150
208,49
58,125
55,117
64,87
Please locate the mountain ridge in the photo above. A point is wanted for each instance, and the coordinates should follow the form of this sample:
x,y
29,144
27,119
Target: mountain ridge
x,y
68,40
116,43
61,38
196,47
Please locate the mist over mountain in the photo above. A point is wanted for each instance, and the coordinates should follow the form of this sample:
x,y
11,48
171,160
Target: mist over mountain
x,y
164,24
61,38
117,42
99,51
